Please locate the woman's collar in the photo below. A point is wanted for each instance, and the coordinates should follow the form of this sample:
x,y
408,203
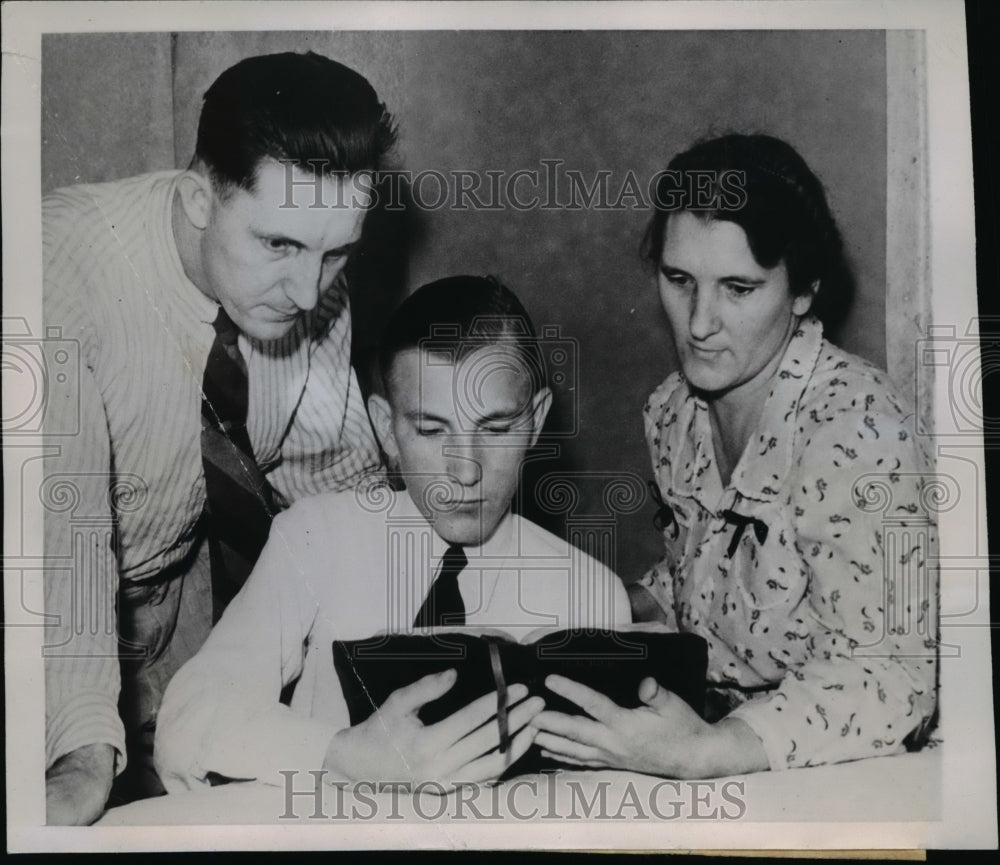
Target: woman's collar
x,y
767,459
760,472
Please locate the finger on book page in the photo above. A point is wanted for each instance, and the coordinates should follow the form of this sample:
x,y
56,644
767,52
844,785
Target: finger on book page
x,y
411,697
487,737
592,702
491,766
474,715
515,694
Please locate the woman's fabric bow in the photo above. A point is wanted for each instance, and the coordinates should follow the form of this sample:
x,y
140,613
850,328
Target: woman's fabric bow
x,y
741,522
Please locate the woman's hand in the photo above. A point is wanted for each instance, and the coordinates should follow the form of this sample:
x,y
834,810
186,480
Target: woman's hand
x,y
664,736
393,745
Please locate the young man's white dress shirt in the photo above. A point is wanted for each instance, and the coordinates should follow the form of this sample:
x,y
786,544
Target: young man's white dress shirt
x,y
347,566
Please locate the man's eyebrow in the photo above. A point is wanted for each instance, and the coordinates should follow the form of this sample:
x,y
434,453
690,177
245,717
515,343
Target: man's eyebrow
x,y
502,414
418,416
343,250
264,234
426,417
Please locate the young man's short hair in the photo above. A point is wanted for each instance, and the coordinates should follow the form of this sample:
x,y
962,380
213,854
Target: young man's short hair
x,y
454,317
301,109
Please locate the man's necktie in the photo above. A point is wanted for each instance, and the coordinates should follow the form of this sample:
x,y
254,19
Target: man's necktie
x,y
443,605
239,500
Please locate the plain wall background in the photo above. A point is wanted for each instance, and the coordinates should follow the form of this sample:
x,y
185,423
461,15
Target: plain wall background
x,y
119,104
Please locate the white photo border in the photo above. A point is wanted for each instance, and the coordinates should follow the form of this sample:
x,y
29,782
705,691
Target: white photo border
x,y
968,816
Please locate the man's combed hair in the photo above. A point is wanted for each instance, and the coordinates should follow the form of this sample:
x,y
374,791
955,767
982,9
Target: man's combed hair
x,y
457,315
301,109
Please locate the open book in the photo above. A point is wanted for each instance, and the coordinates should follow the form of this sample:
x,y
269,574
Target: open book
x,y
488,660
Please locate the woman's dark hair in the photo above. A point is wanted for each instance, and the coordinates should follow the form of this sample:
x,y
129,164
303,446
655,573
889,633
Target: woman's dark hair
x,y
761,184
455,316
302,109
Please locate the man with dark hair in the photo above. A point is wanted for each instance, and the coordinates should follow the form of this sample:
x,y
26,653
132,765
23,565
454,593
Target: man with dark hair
x,y
299,108
462,314
465,398
215,388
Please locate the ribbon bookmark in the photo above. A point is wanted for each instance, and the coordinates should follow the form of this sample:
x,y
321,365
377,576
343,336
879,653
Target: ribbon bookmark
x,y
501,696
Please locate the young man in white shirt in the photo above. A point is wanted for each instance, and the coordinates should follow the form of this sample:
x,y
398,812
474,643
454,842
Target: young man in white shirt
x,y
465,398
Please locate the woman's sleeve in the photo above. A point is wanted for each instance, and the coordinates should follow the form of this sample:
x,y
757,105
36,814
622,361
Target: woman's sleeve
x,y
868,545
651,597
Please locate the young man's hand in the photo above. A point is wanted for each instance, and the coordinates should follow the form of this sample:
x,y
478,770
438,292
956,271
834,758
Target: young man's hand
x,y
664,736
393,745
78,784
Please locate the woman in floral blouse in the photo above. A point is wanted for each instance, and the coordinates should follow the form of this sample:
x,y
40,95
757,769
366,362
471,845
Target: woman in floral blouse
x,y
792,496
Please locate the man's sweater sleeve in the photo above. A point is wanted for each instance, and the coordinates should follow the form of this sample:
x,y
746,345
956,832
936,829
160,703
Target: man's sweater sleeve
x,y
82,677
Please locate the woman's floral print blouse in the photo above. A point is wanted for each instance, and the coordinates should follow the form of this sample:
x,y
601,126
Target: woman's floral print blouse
x,y
812,574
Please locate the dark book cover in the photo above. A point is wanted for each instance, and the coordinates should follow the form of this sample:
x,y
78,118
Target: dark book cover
x,y
611,662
